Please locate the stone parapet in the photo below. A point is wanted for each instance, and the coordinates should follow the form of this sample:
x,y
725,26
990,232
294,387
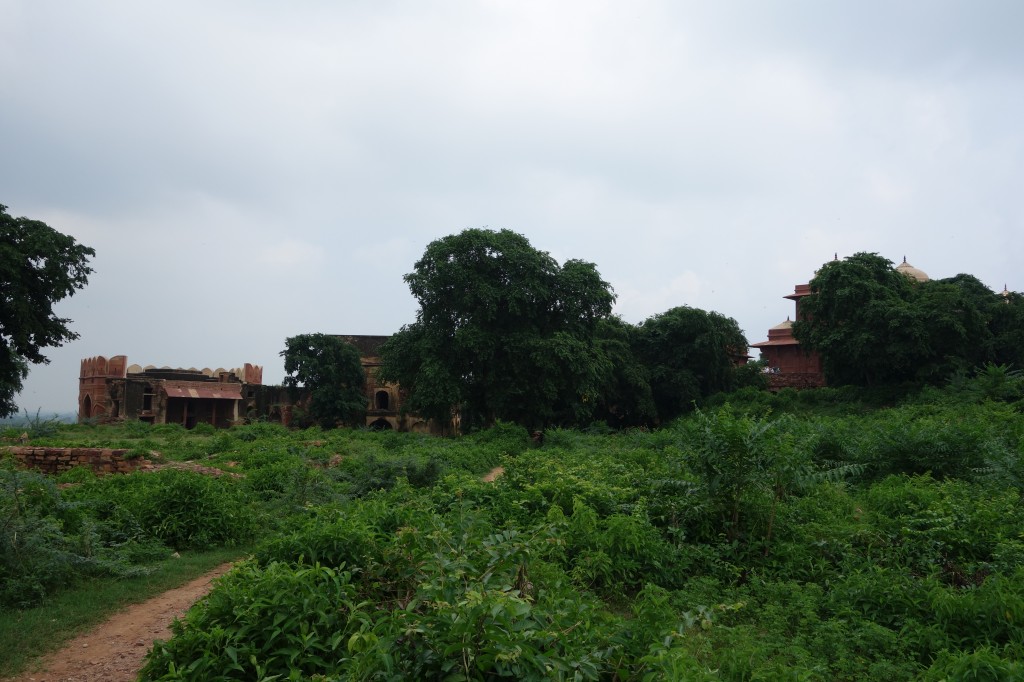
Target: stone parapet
x,y
57,460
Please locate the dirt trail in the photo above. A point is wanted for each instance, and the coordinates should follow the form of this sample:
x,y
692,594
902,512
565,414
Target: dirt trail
x,y
493,474
113,651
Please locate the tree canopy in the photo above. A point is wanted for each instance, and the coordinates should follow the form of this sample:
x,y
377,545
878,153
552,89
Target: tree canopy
x,y
625,398
689,354
502,332
332,371
874,325
39,266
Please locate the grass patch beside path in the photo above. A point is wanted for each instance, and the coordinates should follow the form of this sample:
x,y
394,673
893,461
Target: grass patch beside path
x,y
29,634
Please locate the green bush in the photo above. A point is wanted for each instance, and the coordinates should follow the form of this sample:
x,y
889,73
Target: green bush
x,y
78,474
985,664
167,430
183,509
293,483
258,431
47,542
137,429
37,427
222,442
296,622
204,429
371,473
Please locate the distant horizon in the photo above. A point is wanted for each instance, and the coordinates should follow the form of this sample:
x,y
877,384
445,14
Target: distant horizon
x,y
70,416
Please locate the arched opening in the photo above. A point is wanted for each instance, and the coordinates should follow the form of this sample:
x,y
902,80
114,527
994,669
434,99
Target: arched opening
x,y
383,400
87,407
381,424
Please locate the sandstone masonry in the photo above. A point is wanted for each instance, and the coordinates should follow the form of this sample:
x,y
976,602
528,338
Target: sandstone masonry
x,y
57,460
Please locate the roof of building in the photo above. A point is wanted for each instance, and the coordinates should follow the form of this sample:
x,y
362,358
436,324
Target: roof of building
x,y
784,341
910,271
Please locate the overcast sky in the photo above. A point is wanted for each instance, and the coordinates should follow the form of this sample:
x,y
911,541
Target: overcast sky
x,y
248,171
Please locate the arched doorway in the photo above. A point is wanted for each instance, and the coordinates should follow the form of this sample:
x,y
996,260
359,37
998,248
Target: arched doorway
x,y
381,424
86,408
383,400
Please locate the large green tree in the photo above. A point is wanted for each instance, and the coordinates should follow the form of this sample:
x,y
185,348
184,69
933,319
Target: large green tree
x,y
1004,317
625,397
873,325
1006,322
39,266
689,353
502,332
331,370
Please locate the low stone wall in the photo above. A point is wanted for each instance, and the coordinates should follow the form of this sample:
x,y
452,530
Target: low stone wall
x,y
57,460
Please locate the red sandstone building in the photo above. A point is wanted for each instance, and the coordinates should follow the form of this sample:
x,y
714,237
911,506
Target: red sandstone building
x,y
111,390
790,365
384,400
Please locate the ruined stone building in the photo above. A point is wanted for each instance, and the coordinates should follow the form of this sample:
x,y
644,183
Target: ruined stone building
x,y
111,390
384,400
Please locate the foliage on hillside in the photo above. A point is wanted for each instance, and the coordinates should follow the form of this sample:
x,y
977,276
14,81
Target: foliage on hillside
x,y
739,543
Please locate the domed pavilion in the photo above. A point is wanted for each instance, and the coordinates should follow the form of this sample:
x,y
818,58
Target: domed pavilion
x,y
790,365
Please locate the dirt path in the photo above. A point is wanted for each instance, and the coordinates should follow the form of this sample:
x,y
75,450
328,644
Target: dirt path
x,y
114,651
493,474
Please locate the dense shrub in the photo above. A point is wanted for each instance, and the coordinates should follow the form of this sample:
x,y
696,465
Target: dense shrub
x,y
744,542
47,542
261,622
259,430
371,473
421,596
183,509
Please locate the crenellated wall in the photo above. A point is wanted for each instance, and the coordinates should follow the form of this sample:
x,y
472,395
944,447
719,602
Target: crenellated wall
x,y
111,390
57,460
100,366
94,400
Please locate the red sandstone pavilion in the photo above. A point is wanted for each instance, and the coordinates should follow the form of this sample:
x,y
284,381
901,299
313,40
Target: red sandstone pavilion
x,y
790,365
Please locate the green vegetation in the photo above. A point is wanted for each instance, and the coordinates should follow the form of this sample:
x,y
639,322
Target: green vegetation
x,y
38,267
837,534
330,369
875,326
688,354
28,633
504,332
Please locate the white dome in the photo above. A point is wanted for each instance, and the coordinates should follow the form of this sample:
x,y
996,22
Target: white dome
x,y
910,271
